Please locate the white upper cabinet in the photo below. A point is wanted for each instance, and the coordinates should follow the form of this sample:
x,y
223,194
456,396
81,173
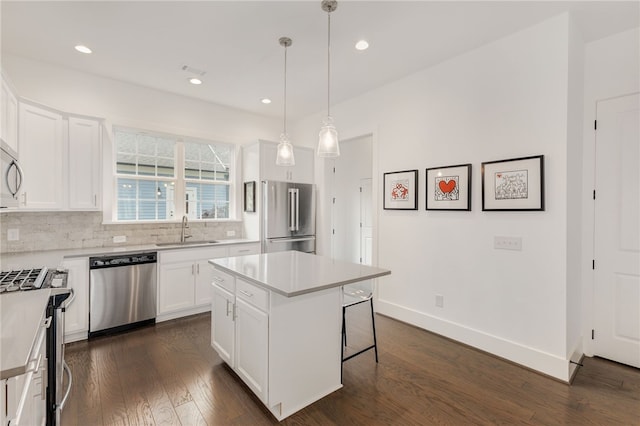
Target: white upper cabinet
x,y
302,172
61,159
9,116
84,164
41,154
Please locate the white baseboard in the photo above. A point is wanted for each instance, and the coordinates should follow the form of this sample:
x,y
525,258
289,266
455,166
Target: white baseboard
x,y
183,313
75,337
528,357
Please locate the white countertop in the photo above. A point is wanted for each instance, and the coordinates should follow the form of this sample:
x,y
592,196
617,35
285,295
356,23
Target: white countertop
x,y
292,273
21,315
53,258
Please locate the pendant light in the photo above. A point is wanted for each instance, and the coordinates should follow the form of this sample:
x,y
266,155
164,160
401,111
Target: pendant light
x,y
285,149
328,137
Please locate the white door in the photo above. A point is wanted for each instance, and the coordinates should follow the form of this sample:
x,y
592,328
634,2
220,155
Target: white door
x,y
366,223
84,163
252,347
223,334
617,231
176,288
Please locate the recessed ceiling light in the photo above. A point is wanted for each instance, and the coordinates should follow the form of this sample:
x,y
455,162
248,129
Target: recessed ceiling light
x,y
83,49
194,80
362,45
265,101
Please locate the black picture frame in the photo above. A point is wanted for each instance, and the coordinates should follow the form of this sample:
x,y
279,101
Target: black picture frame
x,y
448,188
250,197
513,184
400,190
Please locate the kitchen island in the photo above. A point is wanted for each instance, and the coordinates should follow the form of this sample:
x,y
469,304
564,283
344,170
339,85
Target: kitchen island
x,y
277,322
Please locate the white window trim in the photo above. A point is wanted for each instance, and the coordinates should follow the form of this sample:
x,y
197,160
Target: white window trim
x,y
110,212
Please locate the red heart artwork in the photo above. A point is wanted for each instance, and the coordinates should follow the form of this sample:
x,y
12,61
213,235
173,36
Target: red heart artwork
x,y
447,187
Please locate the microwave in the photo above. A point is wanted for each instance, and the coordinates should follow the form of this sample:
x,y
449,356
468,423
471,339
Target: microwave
x,y
11,177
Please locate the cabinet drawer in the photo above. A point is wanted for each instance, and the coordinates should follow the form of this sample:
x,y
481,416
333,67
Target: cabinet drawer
x,y
255,295
224,280
244,249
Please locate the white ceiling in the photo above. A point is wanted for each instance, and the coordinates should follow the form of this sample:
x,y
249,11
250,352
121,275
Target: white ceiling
x,y
236,42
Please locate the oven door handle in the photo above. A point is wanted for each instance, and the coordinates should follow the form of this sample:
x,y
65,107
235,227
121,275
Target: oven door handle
x,y
66,369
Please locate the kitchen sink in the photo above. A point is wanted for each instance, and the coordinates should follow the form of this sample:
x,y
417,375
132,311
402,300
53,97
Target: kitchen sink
x,y
187,243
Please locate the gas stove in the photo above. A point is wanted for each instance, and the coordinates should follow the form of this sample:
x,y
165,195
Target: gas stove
x,y
31,279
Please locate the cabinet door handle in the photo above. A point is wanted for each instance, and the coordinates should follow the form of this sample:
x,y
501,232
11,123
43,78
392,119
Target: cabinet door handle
x,y
244,251
95,200
193,269
198,268
227,300
235,312
246,293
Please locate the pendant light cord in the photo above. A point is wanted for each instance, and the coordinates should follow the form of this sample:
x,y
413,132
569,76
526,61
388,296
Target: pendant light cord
x,y
328,63
285,91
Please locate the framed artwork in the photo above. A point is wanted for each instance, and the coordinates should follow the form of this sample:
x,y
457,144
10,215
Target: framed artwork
x,y
449,188
250,196
401,190
515,184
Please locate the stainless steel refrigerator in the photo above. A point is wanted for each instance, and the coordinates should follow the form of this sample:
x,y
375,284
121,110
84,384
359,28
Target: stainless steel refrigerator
x,y
289,216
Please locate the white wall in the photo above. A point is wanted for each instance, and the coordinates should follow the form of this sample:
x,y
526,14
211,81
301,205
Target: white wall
x,y
132,105
612,68
507,99
125,104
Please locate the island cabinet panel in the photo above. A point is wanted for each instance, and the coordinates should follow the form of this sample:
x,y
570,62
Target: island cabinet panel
x,y
286,349
304,349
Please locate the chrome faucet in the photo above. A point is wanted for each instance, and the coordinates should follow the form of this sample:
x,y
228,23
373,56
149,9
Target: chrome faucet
x,y
185,226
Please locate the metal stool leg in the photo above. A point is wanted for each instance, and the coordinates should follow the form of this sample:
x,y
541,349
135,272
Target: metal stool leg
x,y
344,326
373,323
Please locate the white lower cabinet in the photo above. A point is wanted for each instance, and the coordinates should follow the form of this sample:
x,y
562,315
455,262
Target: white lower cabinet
x,y
185,279
184,284
185,276
76,319
240,329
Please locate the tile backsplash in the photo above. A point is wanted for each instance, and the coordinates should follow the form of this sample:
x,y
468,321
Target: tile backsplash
x,y
69,230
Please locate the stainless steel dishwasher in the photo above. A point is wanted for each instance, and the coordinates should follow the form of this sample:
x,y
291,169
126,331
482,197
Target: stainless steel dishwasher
x,y
122,292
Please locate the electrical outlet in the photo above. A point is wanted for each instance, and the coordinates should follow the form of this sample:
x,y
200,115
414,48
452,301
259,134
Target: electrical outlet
x,y
13,234
120,239
507,243
231,233
439,301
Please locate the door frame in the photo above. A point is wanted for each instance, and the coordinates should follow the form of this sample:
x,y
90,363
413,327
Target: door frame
x,y
324,181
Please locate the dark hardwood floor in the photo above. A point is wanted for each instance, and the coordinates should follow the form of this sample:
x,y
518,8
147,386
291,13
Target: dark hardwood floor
x,y
168,375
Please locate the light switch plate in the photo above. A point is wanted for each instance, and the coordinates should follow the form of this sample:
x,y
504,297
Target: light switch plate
x,y
231,233
120,239
507,243
13,234
439,301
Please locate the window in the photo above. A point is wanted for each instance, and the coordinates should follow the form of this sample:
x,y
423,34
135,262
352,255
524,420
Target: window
x,y
206,172
153,171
